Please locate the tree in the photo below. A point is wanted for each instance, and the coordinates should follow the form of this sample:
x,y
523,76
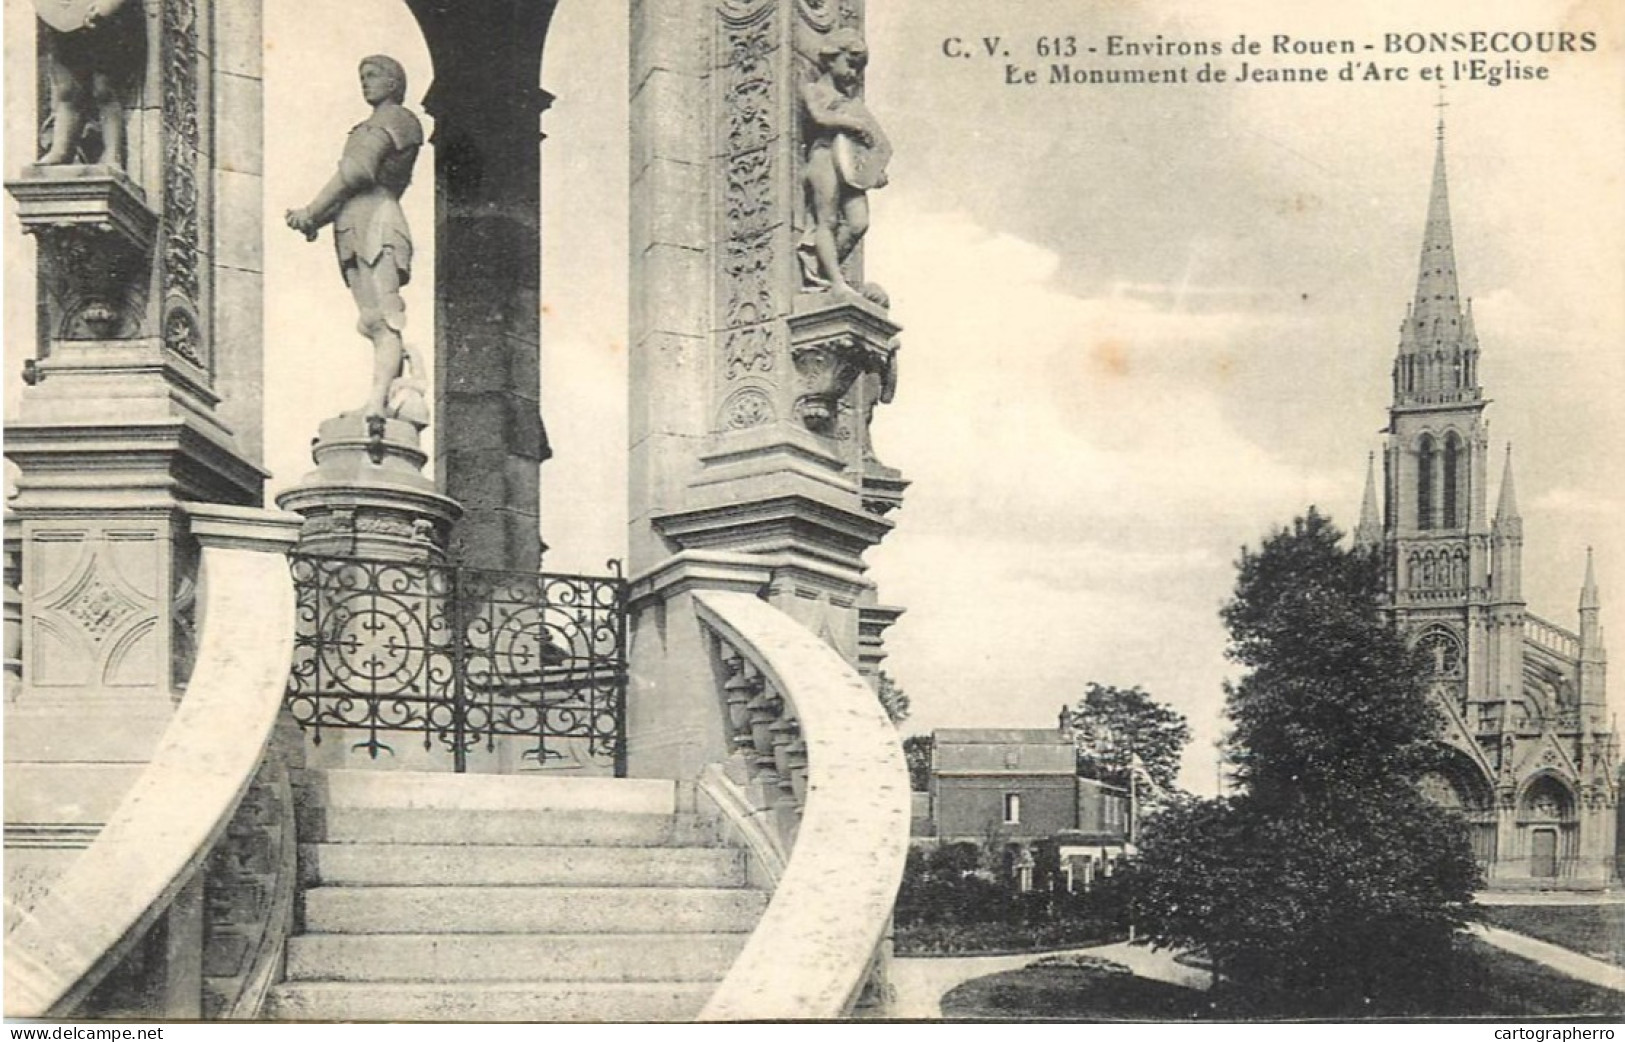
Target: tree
x,y
892,698
1328,886
1114,724
917,751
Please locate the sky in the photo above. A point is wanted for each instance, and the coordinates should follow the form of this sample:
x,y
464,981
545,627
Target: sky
x,y
1143,325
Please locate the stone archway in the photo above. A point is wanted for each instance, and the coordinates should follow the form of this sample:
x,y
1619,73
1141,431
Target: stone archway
x,y
1546,825
1457,783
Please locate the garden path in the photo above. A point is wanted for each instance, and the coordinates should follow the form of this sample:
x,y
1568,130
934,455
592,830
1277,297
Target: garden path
x,y
1573,964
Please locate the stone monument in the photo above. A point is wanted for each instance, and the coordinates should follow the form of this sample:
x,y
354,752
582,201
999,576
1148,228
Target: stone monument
x,y
142,393
758,350
368,496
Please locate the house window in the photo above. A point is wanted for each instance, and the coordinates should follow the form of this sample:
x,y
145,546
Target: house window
x,y
1012,809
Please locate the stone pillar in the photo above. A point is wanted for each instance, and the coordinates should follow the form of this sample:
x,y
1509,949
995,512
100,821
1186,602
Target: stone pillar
x,y
142,396
490,441
751,385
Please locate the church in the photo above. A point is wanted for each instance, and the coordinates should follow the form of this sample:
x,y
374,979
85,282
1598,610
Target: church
x,y
1532,759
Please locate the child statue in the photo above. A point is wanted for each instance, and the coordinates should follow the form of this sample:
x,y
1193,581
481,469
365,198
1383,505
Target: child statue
x,y
92,48
370,235
846,156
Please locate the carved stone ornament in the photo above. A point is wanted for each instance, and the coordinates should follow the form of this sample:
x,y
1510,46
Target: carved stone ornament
x,y
95,235
826,370
746,408
830,347
750,349
747,181
183,203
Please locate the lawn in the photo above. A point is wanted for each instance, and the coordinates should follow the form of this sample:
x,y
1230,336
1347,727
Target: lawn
x,y
1492,984
1594,930
1076,987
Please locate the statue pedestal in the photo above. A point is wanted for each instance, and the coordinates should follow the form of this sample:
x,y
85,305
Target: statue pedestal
x,y
368,497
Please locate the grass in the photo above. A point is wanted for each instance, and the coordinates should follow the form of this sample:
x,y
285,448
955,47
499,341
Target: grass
x,y
1511,987
1071,988
1594,930
1491,984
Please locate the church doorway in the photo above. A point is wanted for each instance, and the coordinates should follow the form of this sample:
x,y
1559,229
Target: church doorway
x,y
1543,854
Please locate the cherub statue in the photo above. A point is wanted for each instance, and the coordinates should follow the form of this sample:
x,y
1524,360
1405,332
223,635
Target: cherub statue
x,y
846,156
374,244
92,49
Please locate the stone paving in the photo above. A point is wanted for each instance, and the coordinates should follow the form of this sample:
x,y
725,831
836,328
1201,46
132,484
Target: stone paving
x,y
1573,964
1550,897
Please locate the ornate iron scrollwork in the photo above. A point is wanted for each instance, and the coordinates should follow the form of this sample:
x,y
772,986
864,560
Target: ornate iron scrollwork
x,y
461,658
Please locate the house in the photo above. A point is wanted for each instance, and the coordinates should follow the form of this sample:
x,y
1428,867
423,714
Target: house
x,y
1018,788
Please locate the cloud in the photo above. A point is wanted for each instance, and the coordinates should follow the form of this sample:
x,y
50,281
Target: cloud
x,y
1080,488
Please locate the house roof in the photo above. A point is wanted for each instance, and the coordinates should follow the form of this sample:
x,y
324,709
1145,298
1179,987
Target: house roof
x,y
999,736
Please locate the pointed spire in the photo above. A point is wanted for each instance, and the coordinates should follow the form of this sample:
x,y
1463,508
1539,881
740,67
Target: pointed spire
x,y
1506,509
1436,292
1368,531
1590,598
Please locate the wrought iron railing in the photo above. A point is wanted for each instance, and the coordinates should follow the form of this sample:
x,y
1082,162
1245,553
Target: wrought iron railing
x,y
461,658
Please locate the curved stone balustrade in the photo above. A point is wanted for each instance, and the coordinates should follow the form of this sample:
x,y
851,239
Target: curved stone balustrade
x,y
164,832
824,772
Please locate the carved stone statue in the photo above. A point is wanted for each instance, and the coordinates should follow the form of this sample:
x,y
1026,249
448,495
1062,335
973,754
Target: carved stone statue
x,y
846,156
374,244
93,48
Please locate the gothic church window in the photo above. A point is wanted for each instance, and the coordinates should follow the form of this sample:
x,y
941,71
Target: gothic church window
x,y
1452,478
1442,650
1424,482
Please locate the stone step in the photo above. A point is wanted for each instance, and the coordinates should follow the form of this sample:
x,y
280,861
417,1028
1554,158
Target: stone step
x,y
528,792
418,1001
519,909
396,864
442,826
553,958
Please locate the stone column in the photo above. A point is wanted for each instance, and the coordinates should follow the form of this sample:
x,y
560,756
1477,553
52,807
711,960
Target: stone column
x,y
142,396
490,441
751,383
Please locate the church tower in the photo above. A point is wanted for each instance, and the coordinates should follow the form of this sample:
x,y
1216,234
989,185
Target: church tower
x,y
1531,759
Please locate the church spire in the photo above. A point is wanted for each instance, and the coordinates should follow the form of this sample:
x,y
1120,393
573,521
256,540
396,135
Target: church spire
x,y
1368,532
1590,599
1438,349
1436,292
1506,508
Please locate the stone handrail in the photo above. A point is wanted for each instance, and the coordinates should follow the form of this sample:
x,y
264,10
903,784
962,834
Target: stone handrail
x,y
825,770
162,834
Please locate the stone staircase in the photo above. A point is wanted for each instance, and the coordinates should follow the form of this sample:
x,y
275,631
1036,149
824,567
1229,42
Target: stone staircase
x,y
442,897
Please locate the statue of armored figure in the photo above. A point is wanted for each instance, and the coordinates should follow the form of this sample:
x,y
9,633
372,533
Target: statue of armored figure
x,y
93,49
370,235
846,156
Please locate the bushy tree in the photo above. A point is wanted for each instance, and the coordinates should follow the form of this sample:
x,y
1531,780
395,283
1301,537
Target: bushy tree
x,y
1115,724
892,698
1328,885
917,752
